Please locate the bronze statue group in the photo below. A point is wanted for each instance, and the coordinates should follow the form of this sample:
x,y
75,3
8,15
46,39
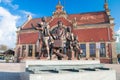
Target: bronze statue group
x,y
60,41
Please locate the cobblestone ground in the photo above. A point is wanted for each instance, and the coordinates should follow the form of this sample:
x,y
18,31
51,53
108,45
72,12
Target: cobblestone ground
x,y
11,71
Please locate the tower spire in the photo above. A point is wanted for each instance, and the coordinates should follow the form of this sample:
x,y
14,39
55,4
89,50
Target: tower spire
x,y
105,1
107,10
59,6
106,5
59,3
59,10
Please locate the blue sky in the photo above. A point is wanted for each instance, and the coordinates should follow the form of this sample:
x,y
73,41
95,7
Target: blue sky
x,y
13,13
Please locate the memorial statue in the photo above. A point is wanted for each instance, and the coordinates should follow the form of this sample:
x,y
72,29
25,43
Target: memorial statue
x,y
44,34
69,39
58,45
62,40
51,42
76,48
60,31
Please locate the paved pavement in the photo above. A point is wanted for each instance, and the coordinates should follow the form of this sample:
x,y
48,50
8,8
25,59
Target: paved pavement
x,y
115,67
13,69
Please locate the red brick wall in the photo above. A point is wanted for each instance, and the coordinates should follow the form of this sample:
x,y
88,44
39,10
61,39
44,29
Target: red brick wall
x,y
105,61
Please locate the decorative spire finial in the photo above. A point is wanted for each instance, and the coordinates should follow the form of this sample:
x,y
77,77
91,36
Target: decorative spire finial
x,y
29,17
59,6
106,7
105,1
59,3
59,10
106,4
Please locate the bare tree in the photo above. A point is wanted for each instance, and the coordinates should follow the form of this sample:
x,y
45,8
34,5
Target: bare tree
x,y
3,47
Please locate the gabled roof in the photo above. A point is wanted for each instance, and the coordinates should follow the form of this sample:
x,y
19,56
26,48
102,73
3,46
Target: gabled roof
x,y
81,19
84,35
90,18
64,21
34,22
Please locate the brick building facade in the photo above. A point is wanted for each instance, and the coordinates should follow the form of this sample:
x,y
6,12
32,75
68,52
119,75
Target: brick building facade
x,y
95,31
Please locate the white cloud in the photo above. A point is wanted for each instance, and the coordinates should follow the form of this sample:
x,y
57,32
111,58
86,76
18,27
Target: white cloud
x,y
7,28
118,32
27,13
24,16
118,35
15,6
9,3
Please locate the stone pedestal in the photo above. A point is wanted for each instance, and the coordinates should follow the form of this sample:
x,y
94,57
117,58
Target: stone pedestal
x,y
67,70
60,62
87,75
